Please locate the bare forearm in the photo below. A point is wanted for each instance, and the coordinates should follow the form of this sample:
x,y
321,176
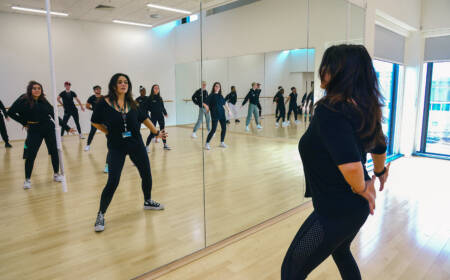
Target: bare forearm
x,y
100,127
354,175
378,162
150,126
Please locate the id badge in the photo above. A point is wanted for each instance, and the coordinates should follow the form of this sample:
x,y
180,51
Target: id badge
x,y
126,134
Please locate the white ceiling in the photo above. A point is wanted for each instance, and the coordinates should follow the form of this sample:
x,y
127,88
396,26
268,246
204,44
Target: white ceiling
x,y
128,10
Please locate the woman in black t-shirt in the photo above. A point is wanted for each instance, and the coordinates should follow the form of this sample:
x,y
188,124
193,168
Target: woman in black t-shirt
x,y
155,104
119,117
90,105
216,104
346,125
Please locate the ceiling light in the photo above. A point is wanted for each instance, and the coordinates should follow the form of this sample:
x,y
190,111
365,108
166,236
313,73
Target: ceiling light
x,y
169,9
132,23
38,11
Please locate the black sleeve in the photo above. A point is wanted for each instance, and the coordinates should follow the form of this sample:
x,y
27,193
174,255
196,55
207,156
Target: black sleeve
x,y
246,99
2,107
16,111
195,98
338,136
98,116
228,97
141,114
209,100
74,94
163,108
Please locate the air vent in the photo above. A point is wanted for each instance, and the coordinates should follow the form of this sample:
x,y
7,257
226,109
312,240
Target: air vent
x,y
155,15
104,7
230,6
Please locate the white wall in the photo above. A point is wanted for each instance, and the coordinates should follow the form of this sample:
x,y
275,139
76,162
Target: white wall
x,y
406,11
435,14
86,54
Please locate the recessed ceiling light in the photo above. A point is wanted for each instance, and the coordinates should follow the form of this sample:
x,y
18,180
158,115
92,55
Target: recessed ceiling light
x,y
38,11
155,15
168,9
132,23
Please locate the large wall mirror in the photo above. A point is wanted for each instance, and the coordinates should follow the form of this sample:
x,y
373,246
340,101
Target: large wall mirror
x,y
231,158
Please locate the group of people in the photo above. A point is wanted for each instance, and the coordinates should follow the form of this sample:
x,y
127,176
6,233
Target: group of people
x,y
345,127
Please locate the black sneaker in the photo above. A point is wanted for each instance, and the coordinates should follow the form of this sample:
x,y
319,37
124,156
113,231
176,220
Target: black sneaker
x,y
153,205
7,145
238,121
228,122
100,222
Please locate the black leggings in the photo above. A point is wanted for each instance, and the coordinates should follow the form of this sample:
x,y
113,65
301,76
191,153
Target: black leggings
x,y
223,126
91,135
294,109
76,118
116,159
320,237
162,125
282,113
36,133
259,108
3,129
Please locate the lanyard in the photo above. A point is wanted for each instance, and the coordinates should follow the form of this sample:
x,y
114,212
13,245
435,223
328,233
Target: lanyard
x,y
123,112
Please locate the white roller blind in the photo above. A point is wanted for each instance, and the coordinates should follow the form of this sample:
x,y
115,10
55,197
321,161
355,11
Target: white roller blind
x,y
437,49
389,46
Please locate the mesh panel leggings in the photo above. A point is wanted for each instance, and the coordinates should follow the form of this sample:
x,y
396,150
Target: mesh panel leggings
x,y
320,237
116,159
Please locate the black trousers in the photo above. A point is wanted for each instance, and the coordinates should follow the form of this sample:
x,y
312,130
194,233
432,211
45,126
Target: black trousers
x,y
162,124
281,113
3,129
259,108
223,126
35,134
277,110
320,237
91,135
292,109
116,160
74,114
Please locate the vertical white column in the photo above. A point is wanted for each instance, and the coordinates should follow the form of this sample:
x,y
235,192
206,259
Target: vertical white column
x,y
55,103
369,28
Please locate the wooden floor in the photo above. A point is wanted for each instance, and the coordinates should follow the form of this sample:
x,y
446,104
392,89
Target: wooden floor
x,y
48,234
407,238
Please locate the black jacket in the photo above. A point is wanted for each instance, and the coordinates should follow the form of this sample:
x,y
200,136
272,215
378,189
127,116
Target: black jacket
x,y
252,96
155,105
231,98
197,97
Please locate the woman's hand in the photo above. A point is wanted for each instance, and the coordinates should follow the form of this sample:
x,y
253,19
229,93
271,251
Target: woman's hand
x,y
72,130
162,134
370,194
383,178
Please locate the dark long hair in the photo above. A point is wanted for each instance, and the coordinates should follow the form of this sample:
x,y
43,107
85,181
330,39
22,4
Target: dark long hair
x,y
112,90
353,90
214,85
29,96
152,92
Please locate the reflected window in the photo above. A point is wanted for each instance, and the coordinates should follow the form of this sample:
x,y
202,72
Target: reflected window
x,y
436,122
387,74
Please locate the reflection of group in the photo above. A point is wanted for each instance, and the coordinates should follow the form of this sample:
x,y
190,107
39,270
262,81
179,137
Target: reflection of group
x,y
116,114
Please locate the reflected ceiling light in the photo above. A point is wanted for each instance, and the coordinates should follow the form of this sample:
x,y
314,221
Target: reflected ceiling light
x,y
193,18
132,23
38,11
169,9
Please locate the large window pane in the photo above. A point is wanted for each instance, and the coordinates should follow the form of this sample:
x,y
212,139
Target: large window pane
x,y
438,132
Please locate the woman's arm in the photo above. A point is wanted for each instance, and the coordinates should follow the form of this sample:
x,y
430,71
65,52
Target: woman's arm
x,y
89,106
379,161
59,100
101,127
15,112
206,107
79,102
287,99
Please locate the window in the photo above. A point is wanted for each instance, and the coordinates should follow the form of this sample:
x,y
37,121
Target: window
x,y
387,74
436,117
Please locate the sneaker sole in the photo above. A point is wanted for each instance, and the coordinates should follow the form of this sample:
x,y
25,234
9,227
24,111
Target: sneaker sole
x,y
153,208
99,228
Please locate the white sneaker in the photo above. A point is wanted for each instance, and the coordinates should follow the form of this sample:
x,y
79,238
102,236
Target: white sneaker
x,y
27,184
58,177
194,135
297,122
284,124
82,136
147,148
277,124
259,126
247,129
223,145
207,146
87,148
288,123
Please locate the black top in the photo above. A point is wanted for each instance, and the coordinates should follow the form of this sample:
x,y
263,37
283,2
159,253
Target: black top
x,y
3,109
231,98
141,99
22,112
197,97
310,97
155,105
216,102
67,99
105,114
279,99
304,98
93,100
258,92
329,141
293,99
253,96
143,105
